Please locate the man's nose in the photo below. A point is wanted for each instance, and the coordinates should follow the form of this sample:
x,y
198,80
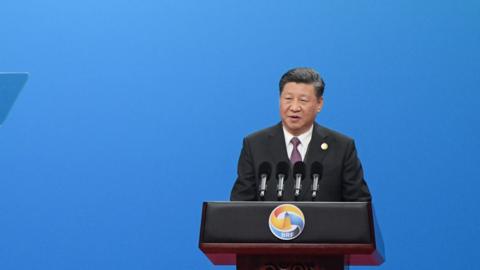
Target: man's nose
x,y
295,106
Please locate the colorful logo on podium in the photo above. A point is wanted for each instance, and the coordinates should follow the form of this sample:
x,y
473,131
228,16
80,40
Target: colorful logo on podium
x,y
286,222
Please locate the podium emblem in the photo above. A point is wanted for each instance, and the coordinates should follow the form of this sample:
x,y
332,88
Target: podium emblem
x,y
286,222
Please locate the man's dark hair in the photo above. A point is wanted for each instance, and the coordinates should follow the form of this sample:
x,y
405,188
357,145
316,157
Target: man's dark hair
x,y
304,75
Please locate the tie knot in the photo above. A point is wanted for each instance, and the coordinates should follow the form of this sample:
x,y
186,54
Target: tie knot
x,y
295,141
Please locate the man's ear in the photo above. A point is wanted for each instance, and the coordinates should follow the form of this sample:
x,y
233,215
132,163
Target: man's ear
x,y
319,104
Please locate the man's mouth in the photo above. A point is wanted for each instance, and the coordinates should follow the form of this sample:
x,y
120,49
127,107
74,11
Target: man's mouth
x,y
294,117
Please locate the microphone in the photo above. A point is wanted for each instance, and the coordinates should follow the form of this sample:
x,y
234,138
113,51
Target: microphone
x,y
282,174
264,172
299,174
317,170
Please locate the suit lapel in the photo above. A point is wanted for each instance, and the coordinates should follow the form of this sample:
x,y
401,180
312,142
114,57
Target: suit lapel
x,y
314,153
277,145
278,148
277,152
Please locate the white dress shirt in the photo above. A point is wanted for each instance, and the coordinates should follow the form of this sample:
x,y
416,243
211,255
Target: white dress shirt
x,y
304,138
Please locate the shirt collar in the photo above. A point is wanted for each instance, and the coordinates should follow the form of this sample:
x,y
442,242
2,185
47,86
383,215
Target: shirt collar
x,y
304,137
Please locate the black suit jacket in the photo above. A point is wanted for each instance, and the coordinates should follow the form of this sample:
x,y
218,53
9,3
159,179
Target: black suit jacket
x,y
342,178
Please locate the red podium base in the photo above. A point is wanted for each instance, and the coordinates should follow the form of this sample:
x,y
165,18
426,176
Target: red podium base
x,y
283,262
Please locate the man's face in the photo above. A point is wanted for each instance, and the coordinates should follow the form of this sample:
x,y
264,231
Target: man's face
x,y
299,106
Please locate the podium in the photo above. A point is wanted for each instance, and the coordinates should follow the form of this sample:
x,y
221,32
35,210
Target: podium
x,y
291,235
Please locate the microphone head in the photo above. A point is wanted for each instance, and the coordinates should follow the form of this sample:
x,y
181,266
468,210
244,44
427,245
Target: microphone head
x,y
299,168
264,168
282,168
317,168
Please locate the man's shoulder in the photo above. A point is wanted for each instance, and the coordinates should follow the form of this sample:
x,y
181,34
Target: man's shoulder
x,y
328,132
265,132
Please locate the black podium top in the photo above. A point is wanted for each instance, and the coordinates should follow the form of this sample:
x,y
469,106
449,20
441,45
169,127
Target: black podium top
x,y
342,228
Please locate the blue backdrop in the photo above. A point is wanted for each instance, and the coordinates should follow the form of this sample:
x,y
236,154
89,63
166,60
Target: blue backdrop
x,y
103,160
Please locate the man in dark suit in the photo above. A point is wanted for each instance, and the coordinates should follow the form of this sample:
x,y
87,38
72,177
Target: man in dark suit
x,y
299,138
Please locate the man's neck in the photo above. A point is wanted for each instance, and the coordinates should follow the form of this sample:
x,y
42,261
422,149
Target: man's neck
x,y
288,133
296,133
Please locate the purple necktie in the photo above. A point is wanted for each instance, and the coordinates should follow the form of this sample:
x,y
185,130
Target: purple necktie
x,y
295,156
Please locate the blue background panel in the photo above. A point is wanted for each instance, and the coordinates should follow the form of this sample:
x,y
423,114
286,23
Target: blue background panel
x,y
134,115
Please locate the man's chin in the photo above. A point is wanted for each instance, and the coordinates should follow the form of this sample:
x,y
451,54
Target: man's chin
x,y
294,129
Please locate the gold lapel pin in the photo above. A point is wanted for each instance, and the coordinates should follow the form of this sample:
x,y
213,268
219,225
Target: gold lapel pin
x,y
324,146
